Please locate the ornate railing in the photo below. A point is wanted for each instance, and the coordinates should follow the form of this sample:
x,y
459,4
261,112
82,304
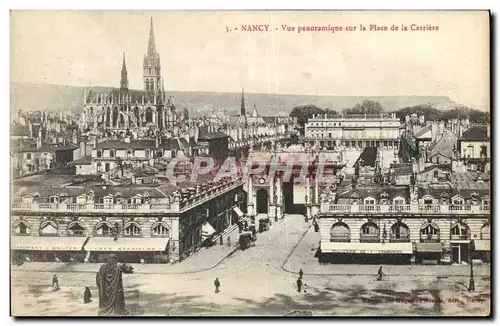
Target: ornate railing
x,y
326,208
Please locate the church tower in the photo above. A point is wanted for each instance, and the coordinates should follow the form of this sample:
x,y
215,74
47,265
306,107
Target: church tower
x,y
151,67
124,79
243,113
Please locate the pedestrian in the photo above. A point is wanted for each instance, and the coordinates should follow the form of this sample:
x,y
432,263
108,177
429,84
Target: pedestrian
x,y
301,273
55,283
299,285
87,295
217,285
229,241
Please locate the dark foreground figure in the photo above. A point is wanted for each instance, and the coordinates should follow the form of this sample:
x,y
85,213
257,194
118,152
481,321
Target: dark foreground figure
x,y
109,283
87,295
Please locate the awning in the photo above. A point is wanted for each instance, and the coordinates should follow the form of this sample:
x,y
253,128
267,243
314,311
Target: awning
x,y
238,211
367,248
482,245
207,230
126,244
434,247
47,243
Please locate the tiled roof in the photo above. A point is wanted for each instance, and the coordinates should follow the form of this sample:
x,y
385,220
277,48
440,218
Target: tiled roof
x,y
476,133
86,160
133,144
376,192
369,156
214,135
19,130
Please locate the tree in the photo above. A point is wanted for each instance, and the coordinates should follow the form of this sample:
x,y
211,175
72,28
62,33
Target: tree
x,y
304,112
367,106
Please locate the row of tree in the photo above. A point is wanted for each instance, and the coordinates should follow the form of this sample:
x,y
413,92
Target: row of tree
x,y
304,112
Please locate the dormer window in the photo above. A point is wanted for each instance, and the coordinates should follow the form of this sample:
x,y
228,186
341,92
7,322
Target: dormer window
x,y
111,153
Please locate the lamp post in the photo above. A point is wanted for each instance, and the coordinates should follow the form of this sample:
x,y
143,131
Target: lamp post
x,y
275,208
472,287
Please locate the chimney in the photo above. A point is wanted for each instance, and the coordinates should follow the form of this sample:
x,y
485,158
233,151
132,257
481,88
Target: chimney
x,y
83,149
422,119
39,139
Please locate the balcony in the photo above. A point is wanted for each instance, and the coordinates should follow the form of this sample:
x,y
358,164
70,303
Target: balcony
x,y
173,207
327,208
369,238
430,238
340,238
399,239
460,237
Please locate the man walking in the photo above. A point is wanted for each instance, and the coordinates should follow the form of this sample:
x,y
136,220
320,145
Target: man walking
x,y
217,285
301,273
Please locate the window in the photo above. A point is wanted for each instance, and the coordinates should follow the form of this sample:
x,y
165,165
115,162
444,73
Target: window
x,y
111,153
485,232
99,154
21,228
99,167
428,201
133,229
147,153
76,228
28,156
160,229
369,229
48,228
429,229
340,233
103,229
130,153
458,201
106,167
460,230
400,231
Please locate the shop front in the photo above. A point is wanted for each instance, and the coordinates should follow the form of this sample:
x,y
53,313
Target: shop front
x,y
129,250
460,251
48,249
482,251
428,252
353,252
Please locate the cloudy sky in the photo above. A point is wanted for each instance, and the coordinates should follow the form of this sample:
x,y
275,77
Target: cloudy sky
x,y
197,54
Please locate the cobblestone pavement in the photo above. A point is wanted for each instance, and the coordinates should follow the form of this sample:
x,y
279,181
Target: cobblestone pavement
x,y
253,282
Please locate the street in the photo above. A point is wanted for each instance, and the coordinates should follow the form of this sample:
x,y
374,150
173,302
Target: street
x,y
262,281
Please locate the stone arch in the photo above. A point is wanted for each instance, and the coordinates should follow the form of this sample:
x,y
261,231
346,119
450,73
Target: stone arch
x,y
76,228
160,229
370,232
132,229
21,227
400,232
48,228
460,230
340,232
485,231
103,228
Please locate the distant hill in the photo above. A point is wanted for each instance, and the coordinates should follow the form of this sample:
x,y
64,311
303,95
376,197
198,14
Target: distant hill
x,y
63,98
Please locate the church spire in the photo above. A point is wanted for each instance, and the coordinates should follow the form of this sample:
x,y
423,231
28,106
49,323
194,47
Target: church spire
x,y
243,110
243,113
151,44
124,79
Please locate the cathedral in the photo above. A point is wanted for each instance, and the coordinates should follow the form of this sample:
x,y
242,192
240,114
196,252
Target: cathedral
x,y
123,111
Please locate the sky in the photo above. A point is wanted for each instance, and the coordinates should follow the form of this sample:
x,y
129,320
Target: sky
x,y
83,48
